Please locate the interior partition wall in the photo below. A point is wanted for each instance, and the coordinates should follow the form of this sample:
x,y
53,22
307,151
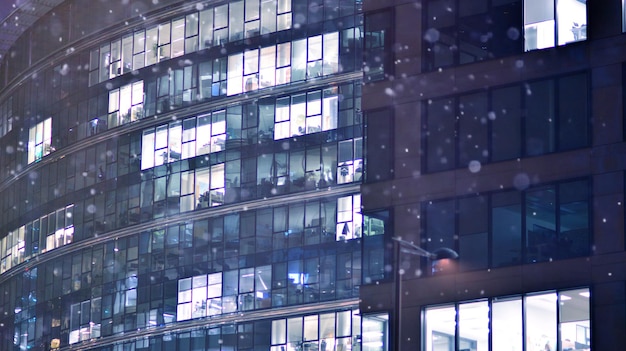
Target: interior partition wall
x,y
188,181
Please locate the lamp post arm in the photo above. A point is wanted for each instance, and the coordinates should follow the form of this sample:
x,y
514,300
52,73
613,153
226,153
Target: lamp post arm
x,y
412,248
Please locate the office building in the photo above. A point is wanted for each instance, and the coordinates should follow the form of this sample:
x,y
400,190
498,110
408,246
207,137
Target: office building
x,y
180,175
494,128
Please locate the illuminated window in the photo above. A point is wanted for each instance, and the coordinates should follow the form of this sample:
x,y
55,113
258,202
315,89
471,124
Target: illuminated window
x,y
219,293
466,326
40,140
181,140
323,331
544,29
350,166
349,218
308,113
125,104
85,320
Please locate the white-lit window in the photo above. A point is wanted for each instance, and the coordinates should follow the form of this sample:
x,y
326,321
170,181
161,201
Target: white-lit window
x,y
267,71
554,22
375,332
191,33
209,187
178,37
139,49
533,327
349,218
322,331
152,35
198,295
62,224
235,72
127,54
85,320
350,166
40,140
58,230
164,51
283,20
251,70
308,113
236,14
125,104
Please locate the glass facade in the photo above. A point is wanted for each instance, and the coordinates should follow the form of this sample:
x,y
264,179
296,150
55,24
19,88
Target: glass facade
x,y
189,181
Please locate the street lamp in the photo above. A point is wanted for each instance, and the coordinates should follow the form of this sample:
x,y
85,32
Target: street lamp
x,y
403,246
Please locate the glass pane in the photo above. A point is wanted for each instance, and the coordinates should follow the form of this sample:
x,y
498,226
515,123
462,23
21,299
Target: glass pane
x,y
574,318
235,72
473,129
541,238
540,131
327,327
294,330
178,37
506,124
440,129
206,28
298,60
507,324
538,24
571,16
574,219
343,323
310,327
268,16
474,326
375,334
506,226
473,245
541,322
573,112
440,328
236,21
440,227
279,331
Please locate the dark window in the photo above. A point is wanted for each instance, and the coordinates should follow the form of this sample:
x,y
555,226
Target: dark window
x,y
504,123
458,32
379,145
440,135
378,42
540,224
